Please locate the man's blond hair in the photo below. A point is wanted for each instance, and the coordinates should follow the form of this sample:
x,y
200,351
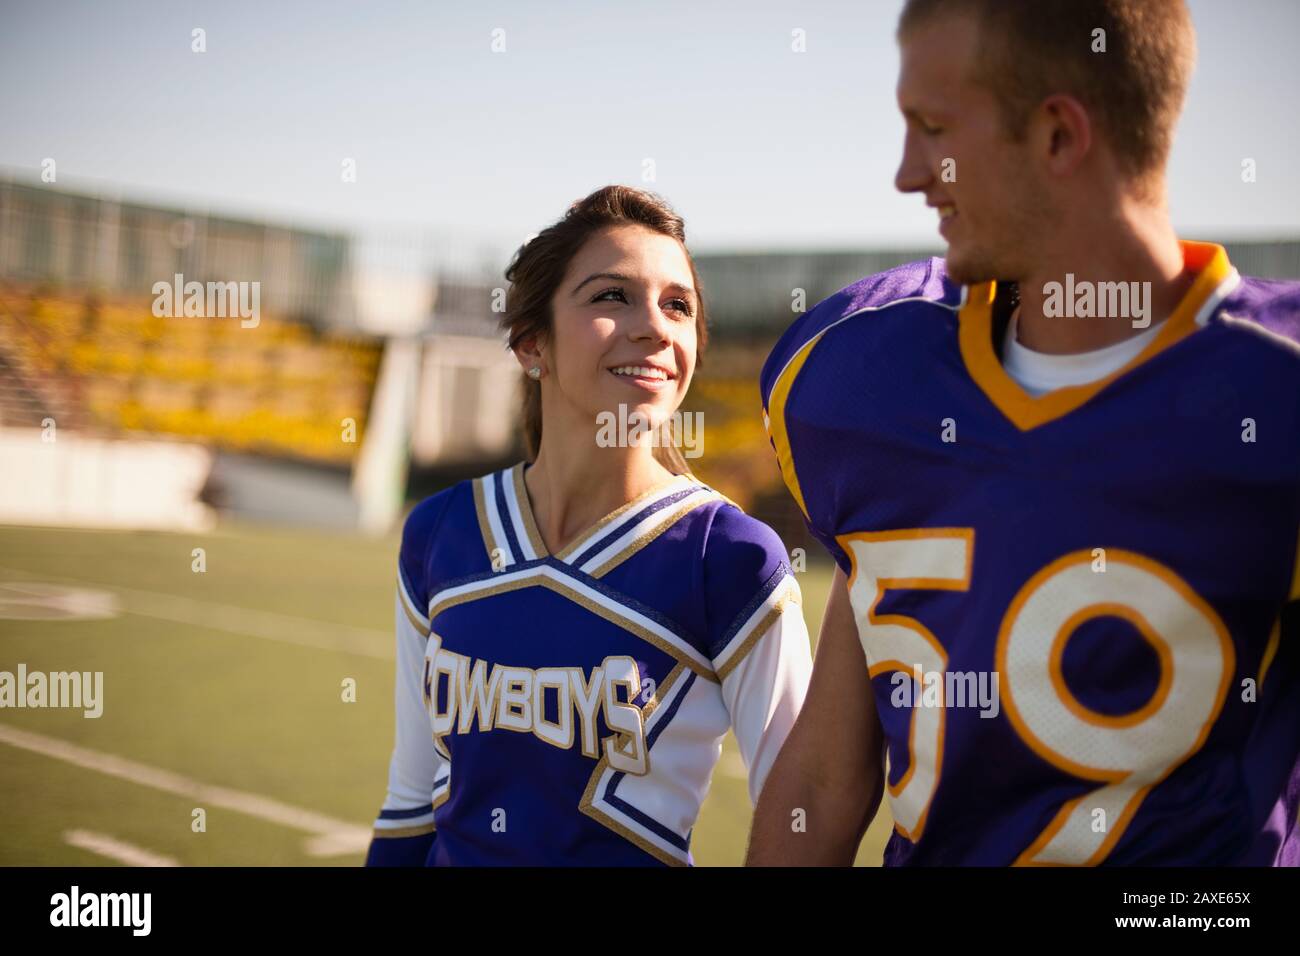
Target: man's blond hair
x,y
1128,62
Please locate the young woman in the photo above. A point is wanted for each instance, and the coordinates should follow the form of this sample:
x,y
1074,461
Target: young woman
x,y
575,635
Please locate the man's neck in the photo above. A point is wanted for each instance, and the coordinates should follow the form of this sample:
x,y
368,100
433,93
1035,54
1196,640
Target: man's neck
x,y
1069,303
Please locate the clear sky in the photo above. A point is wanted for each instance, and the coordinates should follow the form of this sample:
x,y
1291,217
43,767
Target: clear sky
x,y
758,146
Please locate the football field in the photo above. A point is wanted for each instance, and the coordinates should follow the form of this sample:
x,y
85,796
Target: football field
x,y
246,707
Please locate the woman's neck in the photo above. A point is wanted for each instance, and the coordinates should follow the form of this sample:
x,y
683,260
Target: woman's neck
x,y
571,489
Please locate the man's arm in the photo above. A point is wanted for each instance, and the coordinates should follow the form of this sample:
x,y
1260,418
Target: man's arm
x,y
832,764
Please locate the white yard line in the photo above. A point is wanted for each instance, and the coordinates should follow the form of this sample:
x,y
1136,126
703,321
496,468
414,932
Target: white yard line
x,y
115,849
268,625
264,624
331,837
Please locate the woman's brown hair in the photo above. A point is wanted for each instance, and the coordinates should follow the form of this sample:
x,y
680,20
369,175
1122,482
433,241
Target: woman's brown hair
x,y
540,265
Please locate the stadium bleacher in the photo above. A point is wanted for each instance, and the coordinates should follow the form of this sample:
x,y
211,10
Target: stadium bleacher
x,y
113,367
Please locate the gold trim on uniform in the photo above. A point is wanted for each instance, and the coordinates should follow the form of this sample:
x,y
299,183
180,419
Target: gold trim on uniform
x,y
416,621
586,538
526,512
1295,580
649,637
421,830
515,696
661,692
631,836
588,807
641,540
443,793
539,713
760,629
484,525
583,697
534,577
501,587
441,747
1270,651
480,708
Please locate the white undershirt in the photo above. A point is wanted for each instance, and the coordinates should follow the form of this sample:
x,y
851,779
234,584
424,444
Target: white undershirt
x,y
1039,373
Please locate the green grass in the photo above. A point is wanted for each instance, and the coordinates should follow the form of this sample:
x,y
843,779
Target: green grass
x,y
188,689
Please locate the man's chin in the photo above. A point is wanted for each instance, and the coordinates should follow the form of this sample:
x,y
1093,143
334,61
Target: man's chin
x,y
967,269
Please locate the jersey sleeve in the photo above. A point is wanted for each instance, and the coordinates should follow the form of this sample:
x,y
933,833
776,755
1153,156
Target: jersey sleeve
x,y
404,832
760,649
803,433
785,432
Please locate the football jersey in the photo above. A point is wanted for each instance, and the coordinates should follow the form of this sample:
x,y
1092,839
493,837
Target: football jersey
x,y
569,708
1078,611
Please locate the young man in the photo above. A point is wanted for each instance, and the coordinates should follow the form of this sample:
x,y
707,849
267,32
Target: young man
x,y
1065,504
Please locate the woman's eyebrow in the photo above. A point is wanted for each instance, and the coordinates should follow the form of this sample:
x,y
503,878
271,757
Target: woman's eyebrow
x,y
600,275
620,277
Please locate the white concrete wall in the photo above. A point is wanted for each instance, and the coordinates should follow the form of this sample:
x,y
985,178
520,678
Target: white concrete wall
x,y
101,483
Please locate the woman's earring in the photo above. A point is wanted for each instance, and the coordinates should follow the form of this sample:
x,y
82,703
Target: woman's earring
x,y
535,373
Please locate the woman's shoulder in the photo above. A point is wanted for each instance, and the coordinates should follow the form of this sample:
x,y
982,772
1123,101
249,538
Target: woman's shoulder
x,y
441,539
423,521
741,541
746,571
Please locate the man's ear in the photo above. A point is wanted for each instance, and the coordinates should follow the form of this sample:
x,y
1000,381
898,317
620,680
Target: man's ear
x,y
1064,133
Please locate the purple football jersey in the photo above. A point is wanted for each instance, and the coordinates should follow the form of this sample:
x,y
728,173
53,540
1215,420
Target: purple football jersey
x,y
1080,612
